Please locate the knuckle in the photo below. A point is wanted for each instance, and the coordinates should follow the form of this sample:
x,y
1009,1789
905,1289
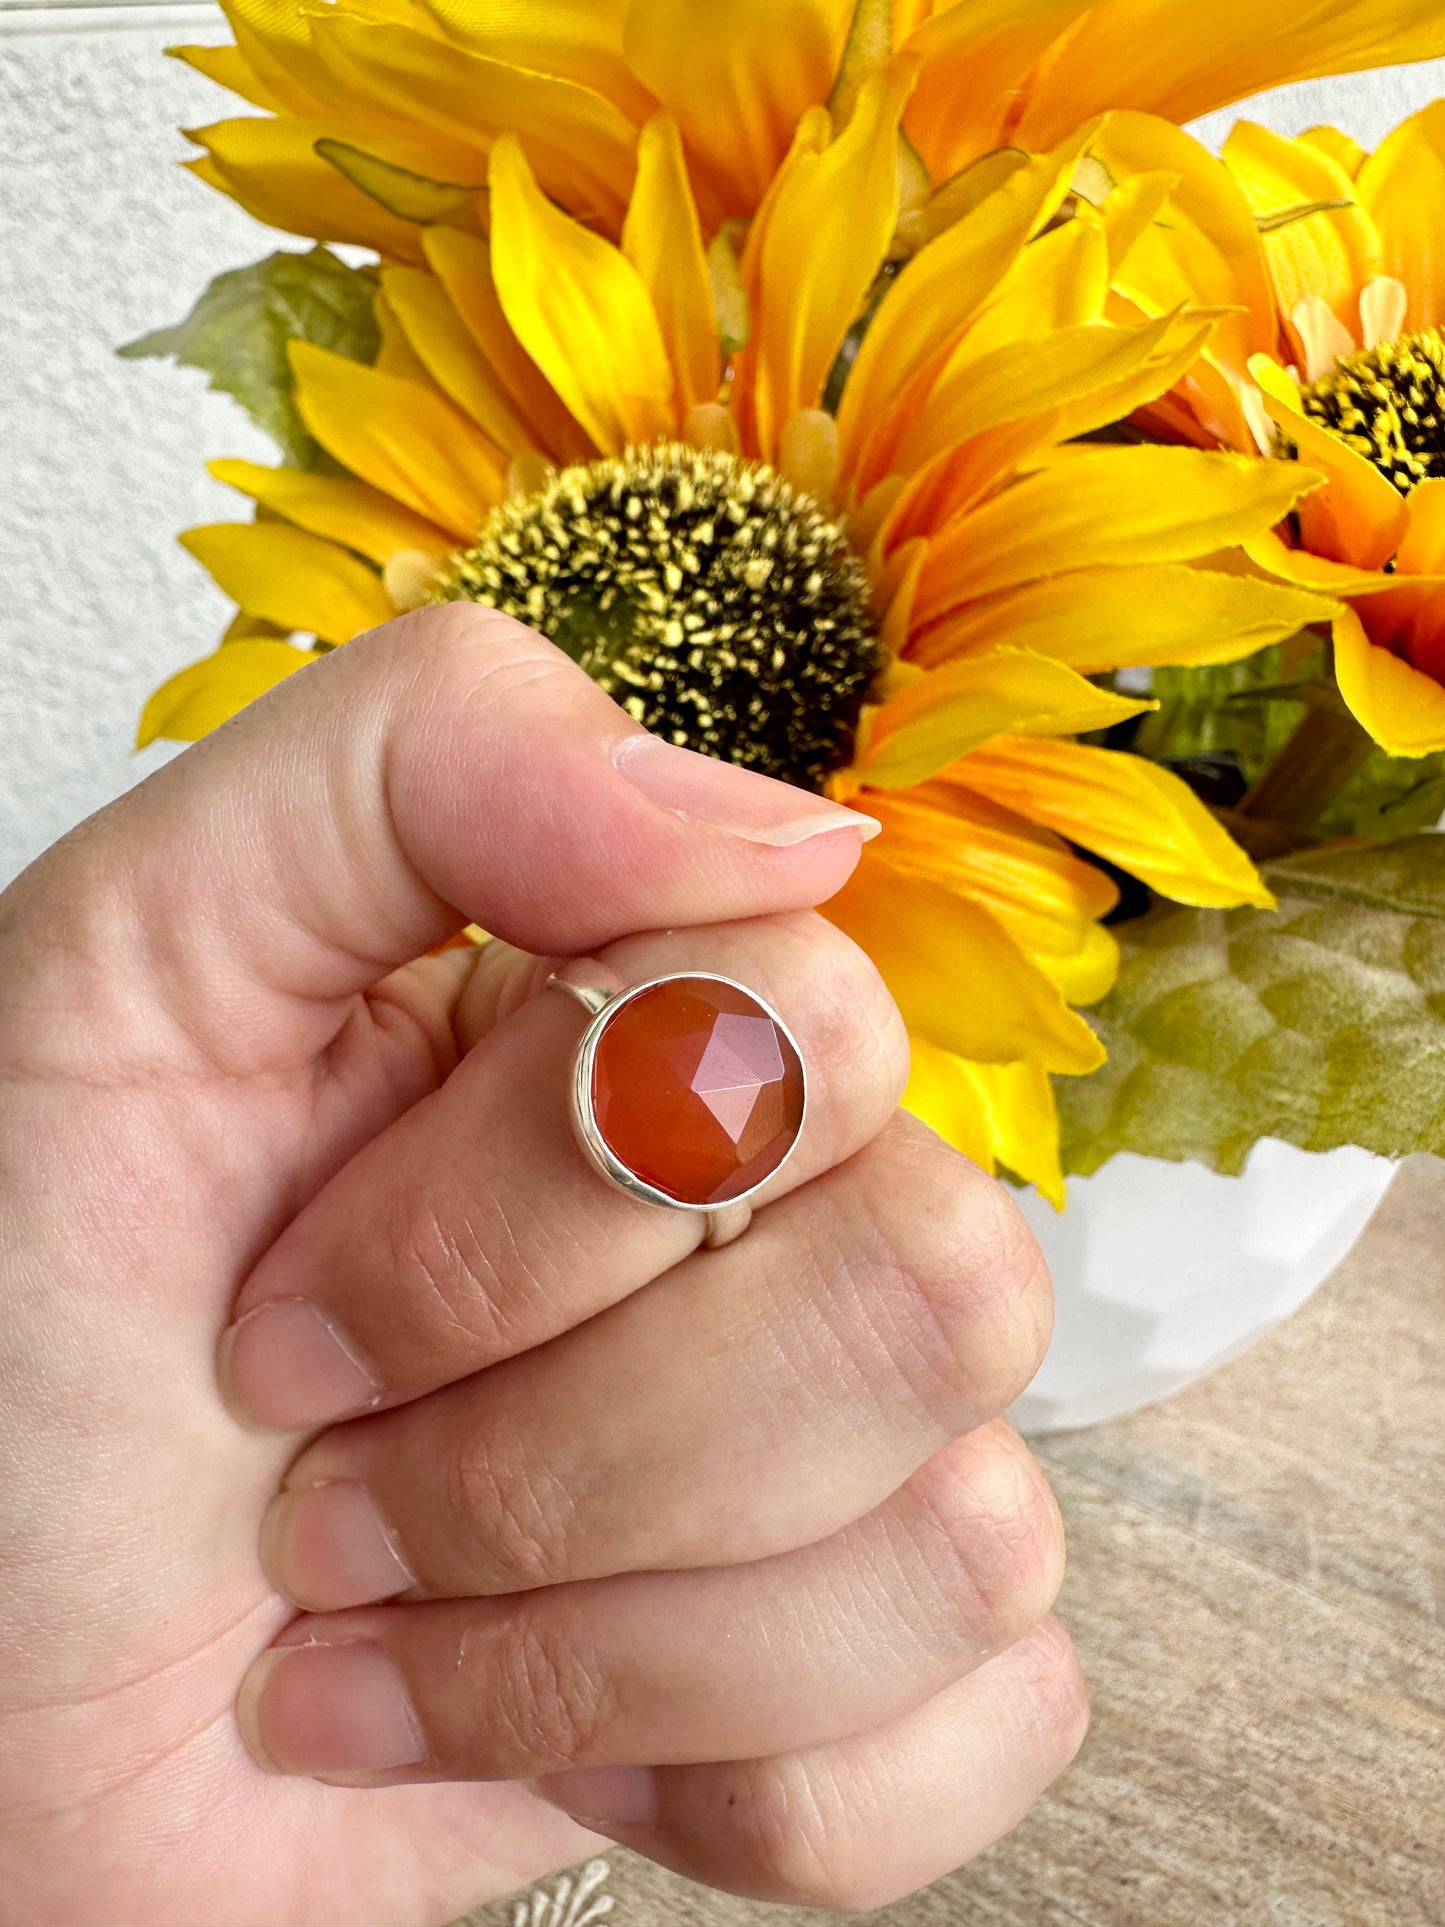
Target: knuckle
x,y
856,1033
512,1517
957,1273
991,1533
549,1695
795,1837
1056,1694
465,631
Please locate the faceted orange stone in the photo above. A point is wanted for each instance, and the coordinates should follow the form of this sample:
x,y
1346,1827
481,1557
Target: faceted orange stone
x,y
697,1090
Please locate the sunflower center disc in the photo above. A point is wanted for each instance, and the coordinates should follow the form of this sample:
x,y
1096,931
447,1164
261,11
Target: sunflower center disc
x,y
696,1089
1388,403
720,606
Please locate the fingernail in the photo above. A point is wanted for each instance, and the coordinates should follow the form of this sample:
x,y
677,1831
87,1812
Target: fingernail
x,y
283,1366
328,1709
603,1796
701,789
326,1546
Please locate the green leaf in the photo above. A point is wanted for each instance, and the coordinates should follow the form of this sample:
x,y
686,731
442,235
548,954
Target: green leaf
x,y
868,47
1287,216
238,330
410,196
1322,1023
1245,711
729,296
1389,796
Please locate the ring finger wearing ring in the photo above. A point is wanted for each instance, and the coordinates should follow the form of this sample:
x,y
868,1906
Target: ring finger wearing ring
x,y
688,1090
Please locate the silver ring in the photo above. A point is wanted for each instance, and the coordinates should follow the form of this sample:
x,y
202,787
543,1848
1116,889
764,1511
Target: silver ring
x,y
744,1100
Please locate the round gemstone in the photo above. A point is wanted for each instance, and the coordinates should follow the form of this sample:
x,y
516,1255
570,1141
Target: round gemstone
x,y
697,1089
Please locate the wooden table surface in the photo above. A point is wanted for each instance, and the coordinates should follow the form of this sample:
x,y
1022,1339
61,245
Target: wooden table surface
x,y
1256,1585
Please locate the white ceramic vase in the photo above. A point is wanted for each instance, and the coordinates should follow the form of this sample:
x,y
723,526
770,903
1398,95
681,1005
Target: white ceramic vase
x,y
1164,1271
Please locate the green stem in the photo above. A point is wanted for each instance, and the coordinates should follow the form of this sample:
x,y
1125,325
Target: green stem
x,y
1327,748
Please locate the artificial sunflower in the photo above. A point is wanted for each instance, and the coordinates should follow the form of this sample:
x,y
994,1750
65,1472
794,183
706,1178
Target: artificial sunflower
x,y
379,115
860,550
1333,261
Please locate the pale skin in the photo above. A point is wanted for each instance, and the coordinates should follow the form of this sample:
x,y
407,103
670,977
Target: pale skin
x,y
729,1556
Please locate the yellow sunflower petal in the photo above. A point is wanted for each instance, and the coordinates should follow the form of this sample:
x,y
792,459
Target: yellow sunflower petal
x,y
1177,356
1132,208
960,476
1207,252
336,506
1343,149
448,351
942,1091
578,40
1061,280
1403,709
1021,378
274,39
1046,898
581,147
272,169
395,354
1358,516
1109,618
244,628
292,578
929,942
463,265
822,238
1107,505
976,59
1328,255
580,309
1275,556
939,291
210,692
996,1114
1125,809
1179,62
939,717
229,68
737,75
402,437
662,240
1402,185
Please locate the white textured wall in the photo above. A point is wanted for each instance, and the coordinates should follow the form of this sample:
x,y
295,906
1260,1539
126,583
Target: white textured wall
x,y
101,237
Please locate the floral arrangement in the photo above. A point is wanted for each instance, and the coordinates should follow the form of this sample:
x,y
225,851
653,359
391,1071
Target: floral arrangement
x,y
892,397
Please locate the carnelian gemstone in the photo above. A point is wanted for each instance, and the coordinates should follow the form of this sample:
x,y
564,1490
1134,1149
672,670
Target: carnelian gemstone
x,y
696,1089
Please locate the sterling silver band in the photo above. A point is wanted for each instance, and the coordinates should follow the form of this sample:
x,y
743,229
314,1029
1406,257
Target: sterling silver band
x,y
597,988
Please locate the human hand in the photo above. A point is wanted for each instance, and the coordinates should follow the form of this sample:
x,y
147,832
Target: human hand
x,y
747,1517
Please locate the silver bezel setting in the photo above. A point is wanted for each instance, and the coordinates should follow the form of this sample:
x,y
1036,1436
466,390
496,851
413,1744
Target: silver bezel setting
x,y
584,1120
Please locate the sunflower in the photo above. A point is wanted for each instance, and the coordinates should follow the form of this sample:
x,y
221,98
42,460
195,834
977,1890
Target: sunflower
x,y
859,550
380,114
1334,261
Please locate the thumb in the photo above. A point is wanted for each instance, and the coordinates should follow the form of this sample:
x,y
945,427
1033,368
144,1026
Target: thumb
x,y
450,767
